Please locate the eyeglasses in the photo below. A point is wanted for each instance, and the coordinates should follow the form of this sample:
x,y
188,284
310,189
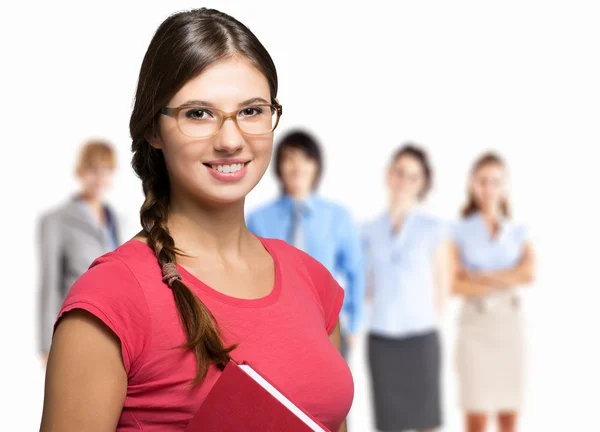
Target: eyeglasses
x,y
204,122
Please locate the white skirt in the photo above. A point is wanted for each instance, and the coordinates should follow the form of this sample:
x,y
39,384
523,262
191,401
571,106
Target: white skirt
x,y
491,354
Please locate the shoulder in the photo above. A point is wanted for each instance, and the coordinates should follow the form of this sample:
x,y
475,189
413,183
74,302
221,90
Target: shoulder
x,y
459,228
373,226
111,291
57,213
428,221
466,223
299,260
328,293
519,231
332,206
115,275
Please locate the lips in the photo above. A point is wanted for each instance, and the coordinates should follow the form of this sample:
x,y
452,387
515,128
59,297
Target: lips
x,y
227,170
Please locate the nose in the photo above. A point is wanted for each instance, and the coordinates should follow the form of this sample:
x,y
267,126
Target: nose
x,y
229,139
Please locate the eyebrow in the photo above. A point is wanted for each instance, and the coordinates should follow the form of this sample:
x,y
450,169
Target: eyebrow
x,y
211,105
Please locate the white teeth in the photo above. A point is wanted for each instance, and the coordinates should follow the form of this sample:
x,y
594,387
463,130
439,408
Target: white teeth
x,y
228,168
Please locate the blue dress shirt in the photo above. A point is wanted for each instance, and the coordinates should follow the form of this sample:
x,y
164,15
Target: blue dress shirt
x,y
329,235
402,267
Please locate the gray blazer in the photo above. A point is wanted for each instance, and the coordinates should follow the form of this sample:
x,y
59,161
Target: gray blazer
x,y
70,241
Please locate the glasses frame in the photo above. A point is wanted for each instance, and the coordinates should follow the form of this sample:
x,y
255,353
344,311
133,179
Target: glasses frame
x,y
174,113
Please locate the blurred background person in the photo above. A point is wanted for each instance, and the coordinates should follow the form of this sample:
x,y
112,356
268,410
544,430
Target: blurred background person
x,y
407,257
493,257
319,227
75,234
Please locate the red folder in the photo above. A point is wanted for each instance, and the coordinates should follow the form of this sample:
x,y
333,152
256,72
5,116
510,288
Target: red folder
x,y
237,402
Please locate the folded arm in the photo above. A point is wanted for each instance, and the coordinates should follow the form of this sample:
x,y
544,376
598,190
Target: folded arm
x,y
521,274
464,282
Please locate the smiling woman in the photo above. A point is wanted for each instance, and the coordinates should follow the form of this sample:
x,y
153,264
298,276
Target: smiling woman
x,y
144,334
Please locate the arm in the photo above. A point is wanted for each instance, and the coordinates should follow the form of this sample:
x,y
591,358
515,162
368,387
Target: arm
x,y
86,382
464,282
50,277
443,274
350,263
335,339
522,273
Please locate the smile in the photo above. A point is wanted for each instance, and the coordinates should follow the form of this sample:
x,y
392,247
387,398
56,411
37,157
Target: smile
x,y
227,171
231,168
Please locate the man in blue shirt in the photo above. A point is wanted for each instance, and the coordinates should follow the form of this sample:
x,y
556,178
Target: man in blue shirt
x,y
321,228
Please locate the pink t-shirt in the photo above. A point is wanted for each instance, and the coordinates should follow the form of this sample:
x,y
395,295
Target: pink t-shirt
x,y
284,336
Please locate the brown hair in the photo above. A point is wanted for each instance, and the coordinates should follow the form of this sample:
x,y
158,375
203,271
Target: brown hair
x,y
182,47
95,152
486,159
416,152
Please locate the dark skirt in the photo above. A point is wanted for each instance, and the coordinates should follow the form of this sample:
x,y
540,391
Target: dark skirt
x,y
405,379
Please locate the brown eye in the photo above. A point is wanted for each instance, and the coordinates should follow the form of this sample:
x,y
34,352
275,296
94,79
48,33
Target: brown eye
x,y
198,114
250,112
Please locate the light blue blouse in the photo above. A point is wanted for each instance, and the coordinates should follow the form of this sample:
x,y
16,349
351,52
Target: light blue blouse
x,y
402,269
480,252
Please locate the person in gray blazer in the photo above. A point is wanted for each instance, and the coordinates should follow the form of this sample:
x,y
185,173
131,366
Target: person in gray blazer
x,y
75,234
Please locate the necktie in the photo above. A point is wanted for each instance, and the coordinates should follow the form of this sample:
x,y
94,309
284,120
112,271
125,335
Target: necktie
x,y
297,232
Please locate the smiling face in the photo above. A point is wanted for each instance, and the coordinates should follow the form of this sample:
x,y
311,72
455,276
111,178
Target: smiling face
x,y
406,180
298,172
225,167
95,180
488,186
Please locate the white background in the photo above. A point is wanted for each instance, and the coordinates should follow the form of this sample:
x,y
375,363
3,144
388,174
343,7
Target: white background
x,y
458,77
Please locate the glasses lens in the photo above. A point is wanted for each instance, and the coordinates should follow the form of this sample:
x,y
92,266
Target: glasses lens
x,y
198,122
257,119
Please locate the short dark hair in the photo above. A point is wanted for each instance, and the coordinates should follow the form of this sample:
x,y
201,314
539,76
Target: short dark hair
x,y
307,143
415,151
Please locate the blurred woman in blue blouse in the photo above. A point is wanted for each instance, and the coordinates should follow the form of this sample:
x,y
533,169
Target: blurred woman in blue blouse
x,y
408,272
323,229
493,257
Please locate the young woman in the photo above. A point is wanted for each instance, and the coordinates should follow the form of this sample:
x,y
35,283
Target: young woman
x,y
143,335
323,229
75,234
408,270
493,257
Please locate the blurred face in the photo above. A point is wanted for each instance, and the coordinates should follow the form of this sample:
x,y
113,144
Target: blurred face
x,y
222,168
488,186
406,180
95,180
298,171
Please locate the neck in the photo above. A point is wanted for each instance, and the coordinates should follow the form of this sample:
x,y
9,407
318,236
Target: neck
x,y
93,201
491,214
398,211
197,228
299,195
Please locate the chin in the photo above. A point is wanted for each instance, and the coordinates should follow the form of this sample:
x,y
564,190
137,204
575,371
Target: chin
x,y
224,195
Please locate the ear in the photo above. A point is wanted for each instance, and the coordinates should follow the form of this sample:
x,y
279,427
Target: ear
x,y
154,140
